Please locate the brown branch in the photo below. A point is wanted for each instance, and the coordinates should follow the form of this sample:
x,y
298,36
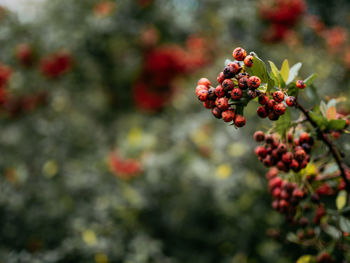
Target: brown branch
x,y
332,148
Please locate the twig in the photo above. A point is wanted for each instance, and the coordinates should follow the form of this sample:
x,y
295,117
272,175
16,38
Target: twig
x,y
332,148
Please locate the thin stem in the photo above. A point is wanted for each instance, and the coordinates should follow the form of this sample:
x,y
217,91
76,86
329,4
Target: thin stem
x,y
332,148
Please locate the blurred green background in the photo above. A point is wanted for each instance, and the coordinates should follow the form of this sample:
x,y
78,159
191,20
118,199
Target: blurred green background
x,y
107,155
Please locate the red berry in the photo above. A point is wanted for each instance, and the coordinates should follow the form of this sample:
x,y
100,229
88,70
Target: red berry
x,y
304,138
275,155
287,157
290,101
221,77
222,103
273,172
270,104
261,151
283,204
204,81
300,84
298,193
278,96
251,94
228,84
273,116
303,164
236,66
229,72
240,121
284,194
242,74
324,258
211,93
300,155
236,94
25,54
243,82
254,82
259,136
267,161
239,54
202,95
279,109
282,148
281,166
294,165
263,99
248,61
269,139
276,192
275,182
200,87
219,91
209,104
228,115
216,112
262,112
275,204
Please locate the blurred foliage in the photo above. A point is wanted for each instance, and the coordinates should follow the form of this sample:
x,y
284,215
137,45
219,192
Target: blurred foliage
x,y
70,191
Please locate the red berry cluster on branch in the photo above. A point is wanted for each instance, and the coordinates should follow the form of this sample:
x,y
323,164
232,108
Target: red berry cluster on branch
x,y
273,107
292,155
236,88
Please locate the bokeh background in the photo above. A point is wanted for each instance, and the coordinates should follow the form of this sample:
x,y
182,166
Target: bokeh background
x,y
107,155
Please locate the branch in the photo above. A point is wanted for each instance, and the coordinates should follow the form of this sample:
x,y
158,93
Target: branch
x,y
332,148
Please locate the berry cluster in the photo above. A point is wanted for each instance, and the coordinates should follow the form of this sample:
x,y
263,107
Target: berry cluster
x,y
235,85
274,107
287,195
293,155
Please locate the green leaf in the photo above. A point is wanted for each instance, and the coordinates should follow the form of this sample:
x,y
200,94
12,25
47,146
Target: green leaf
x,y
285,70
319,119
274,69
259,69
308,81
277,75
293,72
333,232
283,123
336,125
293,90
312,94
344,224
323,108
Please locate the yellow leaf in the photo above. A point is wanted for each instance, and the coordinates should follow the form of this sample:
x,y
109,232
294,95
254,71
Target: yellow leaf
x,y
89,237
223,171
305,259
237,149
50,168
101,258
341,200
331,113
285,70
135,136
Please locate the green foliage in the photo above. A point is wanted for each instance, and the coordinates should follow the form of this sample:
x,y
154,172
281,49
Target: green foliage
x,y
259,69
293,72
284,123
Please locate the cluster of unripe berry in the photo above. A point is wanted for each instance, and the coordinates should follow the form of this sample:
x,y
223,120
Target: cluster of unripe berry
x,y
293,155
234,84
